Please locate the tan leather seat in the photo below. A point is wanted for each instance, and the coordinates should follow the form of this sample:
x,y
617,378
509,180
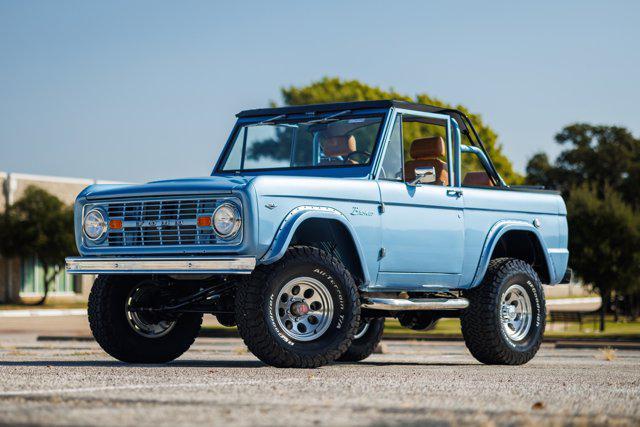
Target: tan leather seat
x,y
338,146
426,153
477,179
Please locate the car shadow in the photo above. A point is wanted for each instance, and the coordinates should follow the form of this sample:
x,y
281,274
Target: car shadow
x,y
118,364
374,363
200,364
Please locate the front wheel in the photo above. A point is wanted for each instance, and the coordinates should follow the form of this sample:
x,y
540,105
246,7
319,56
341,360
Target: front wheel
x,y
133,336
301,312
505,320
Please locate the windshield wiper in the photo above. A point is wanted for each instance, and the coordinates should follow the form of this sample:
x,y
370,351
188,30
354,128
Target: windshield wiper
x,y
331,117
268,121
271,122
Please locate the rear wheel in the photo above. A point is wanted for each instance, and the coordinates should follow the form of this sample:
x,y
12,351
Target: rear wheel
x,y
367,338
301,312
505,321
133,336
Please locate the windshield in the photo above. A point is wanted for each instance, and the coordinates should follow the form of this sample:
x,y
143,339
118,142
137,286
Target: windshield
x,y
333,140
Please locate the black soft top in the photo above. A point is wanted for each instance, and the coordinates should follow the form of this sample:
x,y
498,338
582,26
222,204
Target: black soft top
x,y
357,105
337,106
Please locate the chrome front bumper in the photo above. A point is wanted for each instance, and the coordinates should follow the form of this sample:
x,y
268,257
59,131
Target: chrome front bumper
x,y
160,265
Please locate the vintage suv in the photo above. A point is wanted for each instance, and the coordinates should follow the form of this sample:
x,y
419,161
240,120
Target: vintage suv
x,y
317,223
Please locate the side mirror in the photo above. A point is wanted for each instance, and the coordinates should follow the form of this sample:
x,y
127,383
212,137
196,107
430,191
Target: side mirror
x,y
424,176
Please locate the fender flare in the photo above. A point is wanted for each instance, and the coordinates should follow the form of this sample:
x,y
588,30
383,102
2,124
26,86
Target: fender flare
x,y
297,216
494,235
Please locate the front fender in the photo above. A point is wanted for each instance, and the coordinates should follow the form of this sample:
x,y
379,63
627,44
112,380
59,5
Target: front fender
x,y
297,216
494,235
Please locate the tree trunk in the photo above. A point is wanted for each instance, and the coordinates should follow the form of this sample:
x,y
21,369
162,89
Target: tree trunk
x,y
603,309
48,279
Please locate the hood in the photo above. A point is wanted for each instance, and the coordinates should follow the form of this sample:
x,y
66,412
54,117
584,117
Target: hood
x,y
173,187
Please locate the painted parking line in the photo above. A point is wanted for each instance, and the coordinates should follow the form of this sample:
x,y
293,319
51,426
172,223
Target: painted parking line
x,y
17,393
44,312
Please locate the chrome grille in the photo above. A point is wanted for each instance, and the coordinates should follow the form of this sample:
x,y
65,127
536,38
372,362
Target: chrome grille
x,y
161,222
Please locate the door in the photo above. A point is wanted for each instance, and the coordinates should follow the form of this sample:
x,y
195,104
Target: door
x,y
422,224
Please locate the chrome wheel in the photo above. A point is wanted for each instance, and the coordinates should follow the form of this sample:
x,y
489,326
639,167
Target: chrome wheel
x,y
516,312
146,324
304,309
362,329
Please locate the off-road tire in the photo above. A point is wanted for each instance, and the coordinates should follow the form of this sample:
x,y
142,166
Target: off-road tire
x,y
255,313
364,346
108,322
481,325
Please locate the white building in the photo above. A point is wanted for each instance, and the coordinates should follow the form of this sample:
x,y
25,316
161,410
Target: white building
x,y
22,280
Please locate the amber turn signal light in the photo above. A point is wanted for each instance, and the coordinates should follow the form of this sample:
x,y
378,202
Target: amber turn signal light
x,y
115,224
204,221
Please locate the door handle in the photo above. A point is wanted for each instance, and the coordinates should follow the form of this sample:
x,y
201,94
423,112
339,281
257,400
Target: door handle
x,y
454,193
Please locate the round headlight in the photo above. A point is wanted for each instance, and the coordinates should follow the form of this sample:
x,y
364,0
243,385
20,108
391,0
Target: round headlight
x,y
94,224
226,220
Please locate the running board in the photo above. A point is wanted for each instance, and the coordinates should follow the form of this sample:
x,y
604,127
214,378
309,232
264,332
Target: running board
x,y
398,304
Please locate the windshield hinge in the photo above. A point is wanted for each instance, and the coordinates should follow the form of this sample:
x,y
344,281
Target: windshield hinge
x,y
382,253
381,208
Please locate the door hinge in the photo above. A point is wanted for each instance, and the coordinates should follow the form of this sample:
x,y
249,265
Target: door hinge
x,y
381,208
382,253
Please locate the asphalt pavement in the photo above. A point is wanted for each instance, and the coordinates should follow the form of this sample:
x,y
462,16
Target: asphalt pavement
x,y
218,382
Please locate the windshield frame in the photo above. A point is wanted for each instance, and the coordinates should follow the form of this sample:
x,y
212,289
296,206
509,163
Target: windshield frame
x,y
383,114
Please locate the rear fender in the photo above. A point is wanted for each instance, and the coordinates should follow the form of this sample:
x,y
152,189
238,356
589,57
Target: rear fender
x,y
493,237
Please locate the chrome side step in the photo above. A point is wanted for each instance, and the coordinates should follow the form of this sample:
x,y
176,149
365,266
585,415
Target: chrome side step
x,y
403,304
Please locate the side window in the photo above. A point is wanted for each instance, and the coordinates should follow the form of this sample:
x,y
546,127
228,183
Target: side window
x,y
424,144
392,163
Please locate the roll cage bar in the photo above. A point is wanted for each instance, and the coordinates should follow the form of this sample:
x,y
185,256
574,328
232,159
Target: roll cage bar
x,y
475,141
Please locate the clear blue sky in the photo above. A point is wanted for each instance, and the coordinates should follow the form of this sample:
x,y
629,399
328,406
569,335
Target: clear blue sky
x,y
148,89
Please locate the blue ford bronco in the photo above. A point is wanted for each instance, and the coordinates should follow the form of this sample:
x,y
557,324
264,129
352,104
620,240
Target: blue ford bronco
x,y
317,223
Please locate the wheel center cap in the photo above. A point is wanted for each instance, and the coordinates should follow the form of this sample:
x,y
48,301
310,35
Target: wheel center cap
x,y
509,312
299,308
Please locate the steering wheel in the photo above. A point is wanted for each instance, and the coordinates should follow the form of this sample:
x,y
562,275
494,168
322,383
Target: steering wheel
x,y
358,152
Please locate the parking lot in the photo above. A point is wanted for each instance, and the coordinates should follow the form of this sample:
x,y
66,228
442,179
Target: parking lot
x,y
218,382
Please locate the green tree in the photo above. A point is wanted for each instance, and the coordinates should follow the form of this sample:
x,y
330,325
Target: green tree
x,y
598,155
38,225
333,89
540,172
598,173
604,241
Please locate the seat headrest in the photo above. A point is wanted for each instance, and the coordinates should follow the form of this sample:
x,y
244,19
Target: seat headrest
x,y
477,179
335,146
427,148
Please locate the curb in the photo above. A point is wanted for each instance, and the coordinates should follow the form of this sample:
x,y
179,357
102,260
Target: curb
x,y
44,312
